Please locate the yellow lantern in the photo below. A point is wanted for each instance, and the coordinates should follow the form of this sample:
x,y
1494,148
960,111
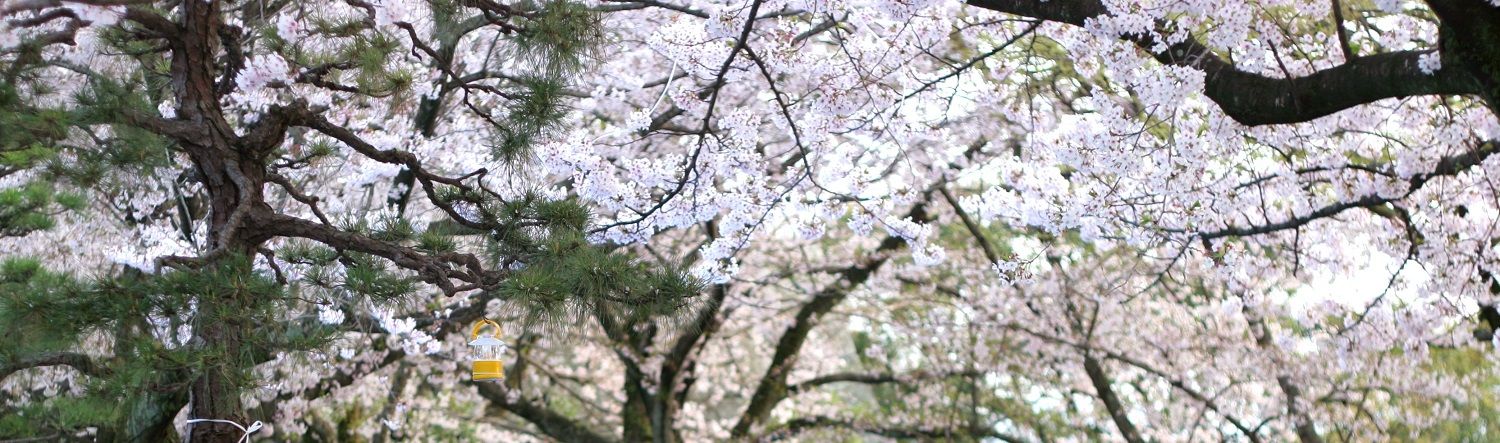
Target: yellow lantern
x,y
487,349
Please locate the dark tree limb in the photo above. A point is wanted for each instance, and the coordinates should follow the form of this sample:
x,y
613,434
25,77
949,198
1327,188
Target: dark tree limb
x,y
1104,388
412,164
629,350
550,422
876,378
678,365
74,360
1253,99
913,432
1467,33
436,268
971,225
1446,167
772,387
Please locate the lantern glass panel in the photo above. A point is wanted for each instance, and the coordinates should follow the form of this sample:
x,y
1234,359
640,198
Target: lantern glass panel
x,y
487,348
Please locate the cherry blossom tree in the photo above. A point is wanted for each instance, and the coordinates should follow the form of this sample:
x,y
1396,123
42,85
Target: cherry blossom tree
x,y
1003,220
1209,159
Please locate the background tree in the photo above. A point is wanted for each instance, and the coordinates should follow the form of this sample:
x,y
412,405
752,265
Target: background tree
x,y
1077,121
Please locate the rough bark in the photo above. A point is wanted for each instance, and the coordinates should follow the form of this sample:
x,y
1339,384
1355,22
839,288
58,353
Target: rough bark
x,y
234,182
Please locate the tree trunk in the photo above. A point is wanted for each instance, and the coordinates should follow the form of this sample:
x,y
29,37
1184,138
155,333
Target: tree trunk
x,y
1469,34
233,174
214,395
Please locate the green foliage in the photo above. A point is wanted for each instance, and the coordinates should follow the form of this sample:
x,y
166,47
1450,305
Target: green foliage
x,y
369,54
128,325
365,275
148,337
393,229
32,207
39,419
556,40
308,253
29,134
538,107
432,240
34,140
29,138
106,100
563,277
559,38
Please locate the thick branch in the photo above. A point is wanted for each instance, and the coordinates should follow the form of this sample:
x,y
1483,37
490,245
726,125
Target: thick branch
x,y
800,425
550,422
1104,387
629,350
876,379
1254,99
972,226
773,385
673,383
1446,167
426,178
75,360
434,267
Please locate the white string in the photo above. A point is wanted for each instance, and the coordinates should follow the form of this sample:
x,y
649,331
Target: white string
x,y
254,427
668,87
671,75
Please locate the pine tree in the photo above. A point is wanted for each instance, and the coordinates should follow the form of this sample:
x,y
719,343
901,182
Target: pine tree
x,y
185,333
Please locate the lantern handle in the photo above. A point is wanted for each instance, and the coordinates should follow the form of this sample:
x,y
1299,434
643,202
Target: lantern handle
x,y
481,324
